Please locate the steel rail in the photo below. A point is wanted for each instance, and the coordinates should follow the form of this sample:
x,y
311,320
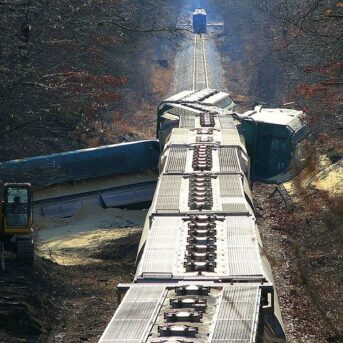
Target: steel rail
x,y
205,62
194,60
200,70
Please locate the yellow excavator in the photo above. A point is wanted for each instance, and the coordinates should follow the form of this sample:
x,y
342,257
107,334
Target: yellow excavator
x,y
16,233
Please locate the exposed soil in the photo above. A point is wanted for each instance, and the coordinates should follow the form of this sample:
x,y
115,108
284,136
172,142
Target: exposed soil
x,y
56,303
27,297
70,294
72,241
304,245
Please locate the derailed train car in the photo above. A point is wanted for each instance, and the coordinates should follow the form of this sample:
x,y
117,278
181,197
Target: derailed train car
x,y
201,273
71,166
199,21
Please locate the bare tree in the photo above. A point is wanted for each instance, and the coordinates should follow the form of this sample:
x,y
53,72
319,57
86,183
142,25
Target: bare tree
x,y
63,62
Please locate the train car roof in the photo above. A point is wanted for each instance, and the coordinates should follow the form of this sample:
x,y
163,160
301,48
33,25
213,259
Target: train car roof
x,y
278,116
199,11
140,317
203,95
178,96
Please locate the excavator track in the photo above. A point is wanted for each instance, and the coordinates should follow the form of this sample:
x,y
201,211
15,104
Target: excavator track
x,y
25,250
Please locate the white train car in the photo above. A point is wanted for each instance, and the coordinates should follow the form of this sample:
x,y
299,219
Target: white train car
x,y
201,272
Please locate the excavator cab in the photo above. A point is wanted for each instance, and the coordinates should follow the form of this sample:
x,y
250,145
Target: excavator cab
x,y
17,209
16,227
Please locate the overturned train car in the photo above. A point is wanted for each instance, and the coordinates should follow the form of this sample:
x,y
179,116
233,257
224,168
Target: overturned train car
x,y
201,273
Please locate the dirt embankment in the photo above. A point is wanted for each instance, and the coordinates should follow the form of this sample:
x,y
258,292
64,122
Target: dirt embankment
x,y
304,244
71,241
70,294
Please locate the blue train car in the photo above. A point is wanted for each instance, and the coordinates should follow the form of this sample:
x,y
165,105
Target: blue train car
x,y
199,21
124,158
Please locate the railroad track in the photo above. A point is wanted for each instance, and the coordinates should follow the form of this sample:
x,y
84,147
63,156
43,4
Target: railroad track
x,y
200,69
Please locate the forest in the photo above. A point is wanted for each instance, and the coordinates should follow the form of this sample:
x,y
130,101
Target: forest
x,y
70,70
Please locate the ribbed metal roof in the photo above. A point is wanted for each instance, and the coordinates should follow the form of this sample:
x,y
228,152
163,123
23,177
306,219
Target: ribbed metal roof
x,y
230,315
176,160
167,196
225,160
173,195
161,252
180,136
184,136
294,119
229,160
238,315
133,319
237,248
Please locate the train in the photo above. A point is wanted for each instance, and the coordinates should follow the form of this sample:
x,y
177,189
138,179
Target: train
x,y
83,164
199,21
202,275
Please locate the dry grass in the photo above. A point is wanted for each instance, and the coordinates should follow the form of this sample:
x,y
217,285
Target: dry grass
x,y
161,80
138,125
305,247
301,181
338,205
